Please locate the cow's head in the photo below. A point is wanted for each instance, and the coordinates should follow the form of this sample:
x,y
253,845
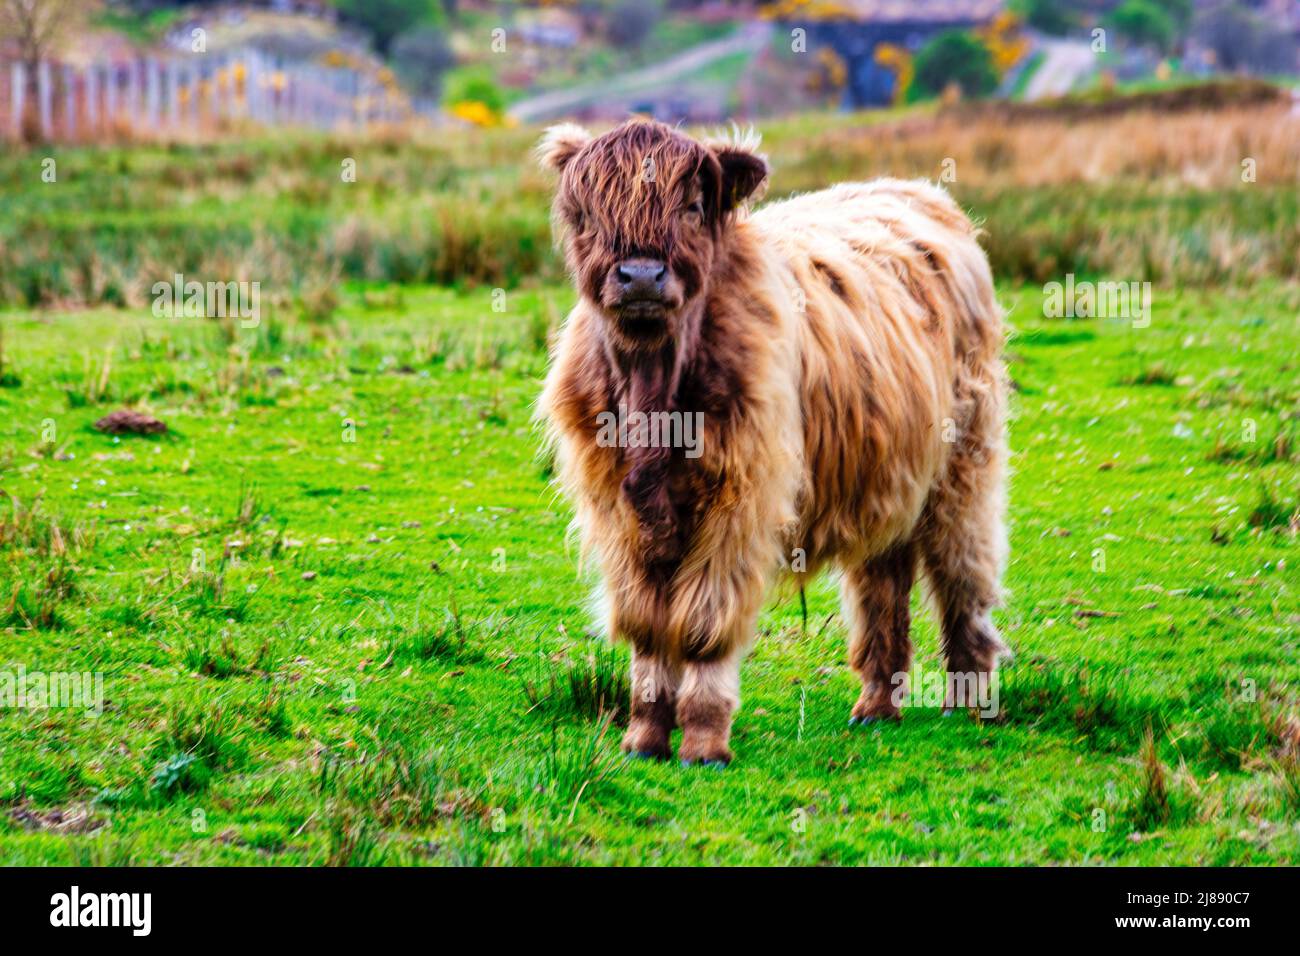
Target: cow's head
x,y
644,210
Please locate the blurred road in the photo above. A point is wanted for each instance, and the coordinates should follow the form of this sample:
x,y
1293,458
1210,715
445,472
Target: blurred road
x,y
1065,63
750,38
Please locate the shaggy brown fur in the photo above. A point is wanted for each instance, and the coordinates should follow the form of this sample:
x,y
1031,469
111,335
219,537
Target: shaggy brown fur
x,y
844,348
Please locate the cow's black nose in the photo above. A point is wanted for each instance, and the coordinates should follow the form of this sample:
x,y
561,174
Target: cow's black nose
x,y
641,277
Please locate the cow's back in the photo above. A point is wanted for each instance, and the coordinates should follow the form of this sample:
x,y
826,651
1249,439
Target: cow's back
x,y
893,292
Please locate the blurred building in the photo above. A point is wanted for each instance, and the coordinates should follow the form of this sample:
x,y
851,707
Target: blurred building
x,y
855,28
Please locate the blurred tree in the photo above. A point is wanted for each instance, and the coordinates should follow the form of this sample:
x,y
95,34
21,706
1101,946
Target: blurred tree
x,y
631,22
477,98
1050,16
1006,41
384,20
39,30
1144,23
898,61
955,56
420,58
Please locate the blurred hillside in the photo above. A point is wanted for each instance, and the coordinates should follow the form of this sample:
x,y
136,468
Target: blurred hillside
x,y
74,69
1150,184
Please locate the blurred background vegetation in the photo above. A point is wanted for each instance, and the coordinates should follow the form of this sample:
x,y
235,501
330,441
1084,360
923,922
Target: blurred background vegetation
x,y
1152,138
491,61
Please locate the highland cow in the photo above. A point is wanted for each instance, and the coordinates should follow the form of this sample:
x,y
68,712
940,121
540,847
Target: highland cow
x,y
844,351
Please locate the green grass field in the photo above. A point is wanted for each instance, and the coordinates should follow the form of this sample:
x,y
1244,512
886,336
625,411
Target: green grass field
x,y
338,621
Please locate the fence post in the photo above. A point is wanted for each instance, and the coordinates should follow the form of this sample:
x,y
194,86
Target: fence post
x,y
153,92
182,85
215,111
43,97
110,96
69,103
205,90
17,91
131,99
324,98
253,86
269,92
173,94
92,97
354,96
311,99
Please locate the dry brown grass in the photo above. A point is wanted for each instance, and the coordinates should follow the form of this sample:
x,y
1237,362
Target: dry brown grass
x,y
1202,150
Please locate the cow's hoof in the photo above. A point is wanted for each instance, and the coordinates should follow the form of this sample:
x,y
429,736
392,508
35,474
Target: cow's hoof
x,y
647,742
868,721
874,716
648,755
703,746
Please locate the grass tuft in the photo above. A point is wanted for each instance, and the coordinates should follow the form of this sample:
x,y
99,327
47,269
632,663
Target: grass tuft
x,y
1281,448
1100,703
1232,732
591,686
95,386
1272,513
30,529
568,774
354,838
197,743
453,639
1157,373
1152,805
37,606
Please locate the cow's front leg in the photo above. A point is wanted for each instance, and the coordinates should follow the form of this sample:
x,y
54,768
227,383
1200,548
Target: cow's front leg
x,y
706,700
653,707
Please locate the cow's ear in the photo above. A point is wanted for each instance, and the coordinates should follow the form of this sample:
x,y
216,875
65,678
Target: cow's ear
x,y
744,172
560,144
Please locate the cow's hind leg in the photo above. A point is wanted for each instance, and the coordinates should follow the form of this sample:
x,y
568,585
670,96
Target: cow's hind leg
x,y
963,542
971,644
653,707
875,596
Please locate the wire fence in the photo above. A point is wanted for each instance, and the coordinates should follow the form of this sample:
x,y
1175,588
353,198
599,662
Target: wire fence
x,y
158,96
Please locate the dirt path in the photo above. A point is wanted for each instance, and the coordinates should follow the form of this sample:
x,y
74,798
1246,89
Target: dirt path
x,y
1065,63
750,38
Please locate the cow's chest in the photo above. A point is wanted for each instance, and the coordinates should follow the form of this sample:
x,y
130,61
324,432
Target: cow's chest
x,y
672,457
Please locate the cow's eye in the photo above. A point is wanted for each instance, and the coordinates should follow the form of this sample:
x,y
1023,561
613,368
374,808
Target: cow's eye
x,y
695,211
